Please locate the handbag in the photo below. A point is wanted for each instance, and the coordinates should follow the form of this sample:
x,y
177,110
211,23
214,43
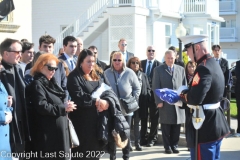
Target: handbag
x,y
73,135
129,104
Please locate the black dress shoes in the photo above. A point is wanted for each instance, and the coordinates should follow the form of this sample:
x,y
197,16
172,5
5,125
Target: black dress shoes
x,y
138,147
168,151
175,150
150,144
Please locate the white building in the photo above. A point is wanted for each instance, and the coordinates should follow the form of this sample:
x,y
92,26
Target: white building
x,y
18,24
142,22
229,30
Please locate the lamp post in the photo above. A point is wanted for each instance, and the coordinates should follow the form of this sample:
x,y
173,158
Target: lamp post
x,y
180,31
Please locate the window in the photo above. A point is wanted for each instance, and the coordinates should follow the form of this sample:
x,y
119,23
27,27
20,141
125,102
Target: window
x,y
233,23
168,35
223,24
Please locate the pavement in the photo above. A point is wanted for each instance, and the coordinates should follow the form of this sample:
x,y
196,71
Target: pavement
x,y
230,150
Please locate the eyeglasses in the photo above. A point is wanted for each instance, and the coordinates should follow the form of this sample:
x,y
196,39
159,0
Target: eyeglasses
x,y
135,63
50,68
124,44
119,60
16,52
151,50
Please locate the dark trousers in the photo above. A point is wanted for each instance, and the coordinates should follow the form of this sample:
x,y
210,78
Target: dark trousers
x,y
170,135
136,127
126,150
154,119
143,131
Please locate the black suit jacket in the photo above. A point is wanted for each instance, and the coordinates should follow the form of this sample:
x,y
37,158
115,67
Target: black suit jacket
x,y
101,64
224,65
155,64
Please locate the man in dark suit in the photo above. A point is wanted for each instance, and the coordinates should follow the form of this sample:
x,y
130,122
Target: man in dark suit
x,y
70,48
148,66
12,79
98,62
216,50
122,45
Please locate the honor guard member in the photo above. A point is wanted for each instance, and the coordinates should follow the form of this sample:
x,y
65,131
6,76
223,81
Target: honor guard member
x,y
208,126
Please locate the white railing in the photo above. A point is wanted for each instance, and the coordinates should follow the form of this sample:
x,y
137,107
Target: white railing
x,y
228,33
122,3
82,22
227,6
201,6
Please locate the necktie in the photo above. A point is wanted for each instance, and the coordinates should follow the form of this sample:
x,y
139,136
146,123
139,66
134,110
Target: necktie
x,y
72,65
149,68
170,70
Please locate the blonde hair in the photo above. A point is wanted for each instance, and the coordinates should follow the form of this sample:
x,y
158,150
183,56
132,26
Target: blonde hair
x,y
121,55
122,39
41,61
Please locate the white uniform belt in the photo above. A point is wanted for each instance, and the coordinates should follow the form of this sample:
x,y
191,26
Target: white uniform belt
x,y
211,106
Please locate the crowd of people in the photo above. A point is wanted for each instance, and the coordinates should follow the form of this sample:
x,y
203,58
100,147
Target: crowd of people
x,y
41,92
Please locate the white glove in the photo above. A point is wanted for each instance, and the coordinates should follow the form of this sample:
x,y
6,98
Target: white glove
x,y
8,117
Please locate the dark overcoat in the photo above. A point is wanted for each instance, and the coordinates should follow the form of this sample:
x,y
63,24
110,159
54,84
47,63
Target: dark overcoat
x,y
49,124
11,76
85,117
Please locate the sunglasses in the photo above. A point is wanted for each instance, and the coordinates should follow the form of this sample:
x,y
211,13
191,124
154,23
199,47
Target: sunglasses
x,y
51,68
16,52
95,52
124,44
134,63
151,50
119,60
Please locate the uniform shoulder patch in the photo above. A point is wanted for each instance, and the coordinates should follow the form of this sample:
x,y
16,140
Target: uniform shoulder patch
x,y
196,79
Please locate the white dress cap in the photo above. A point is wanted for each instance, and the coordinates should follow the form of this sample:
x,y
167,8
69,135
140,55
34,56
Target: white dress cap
x,y
193,39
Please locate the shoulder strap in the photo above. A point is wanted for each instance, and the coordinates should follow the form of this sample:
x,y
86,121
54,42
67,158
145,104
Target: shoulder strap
x,y
116,83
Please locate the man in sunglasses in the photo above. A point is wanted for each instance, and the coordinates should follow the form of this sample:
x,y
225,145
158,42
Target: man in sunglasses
x,y
98,62
122,45
12,79
203,96
148,66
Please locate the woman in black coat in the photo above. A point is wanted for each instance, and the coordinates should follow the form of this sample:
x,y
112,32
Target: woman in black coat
x,y
82,81
48,112
144,98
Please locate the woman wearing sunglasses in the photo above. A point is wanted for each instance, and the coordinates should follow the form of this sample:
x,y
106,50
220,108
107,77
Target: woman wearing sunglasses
x,y
48,114
135,64
128,85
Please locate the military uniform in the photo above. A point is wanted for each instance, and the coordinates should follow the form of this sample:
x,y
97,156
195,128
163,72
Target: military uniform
x,y
205,89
